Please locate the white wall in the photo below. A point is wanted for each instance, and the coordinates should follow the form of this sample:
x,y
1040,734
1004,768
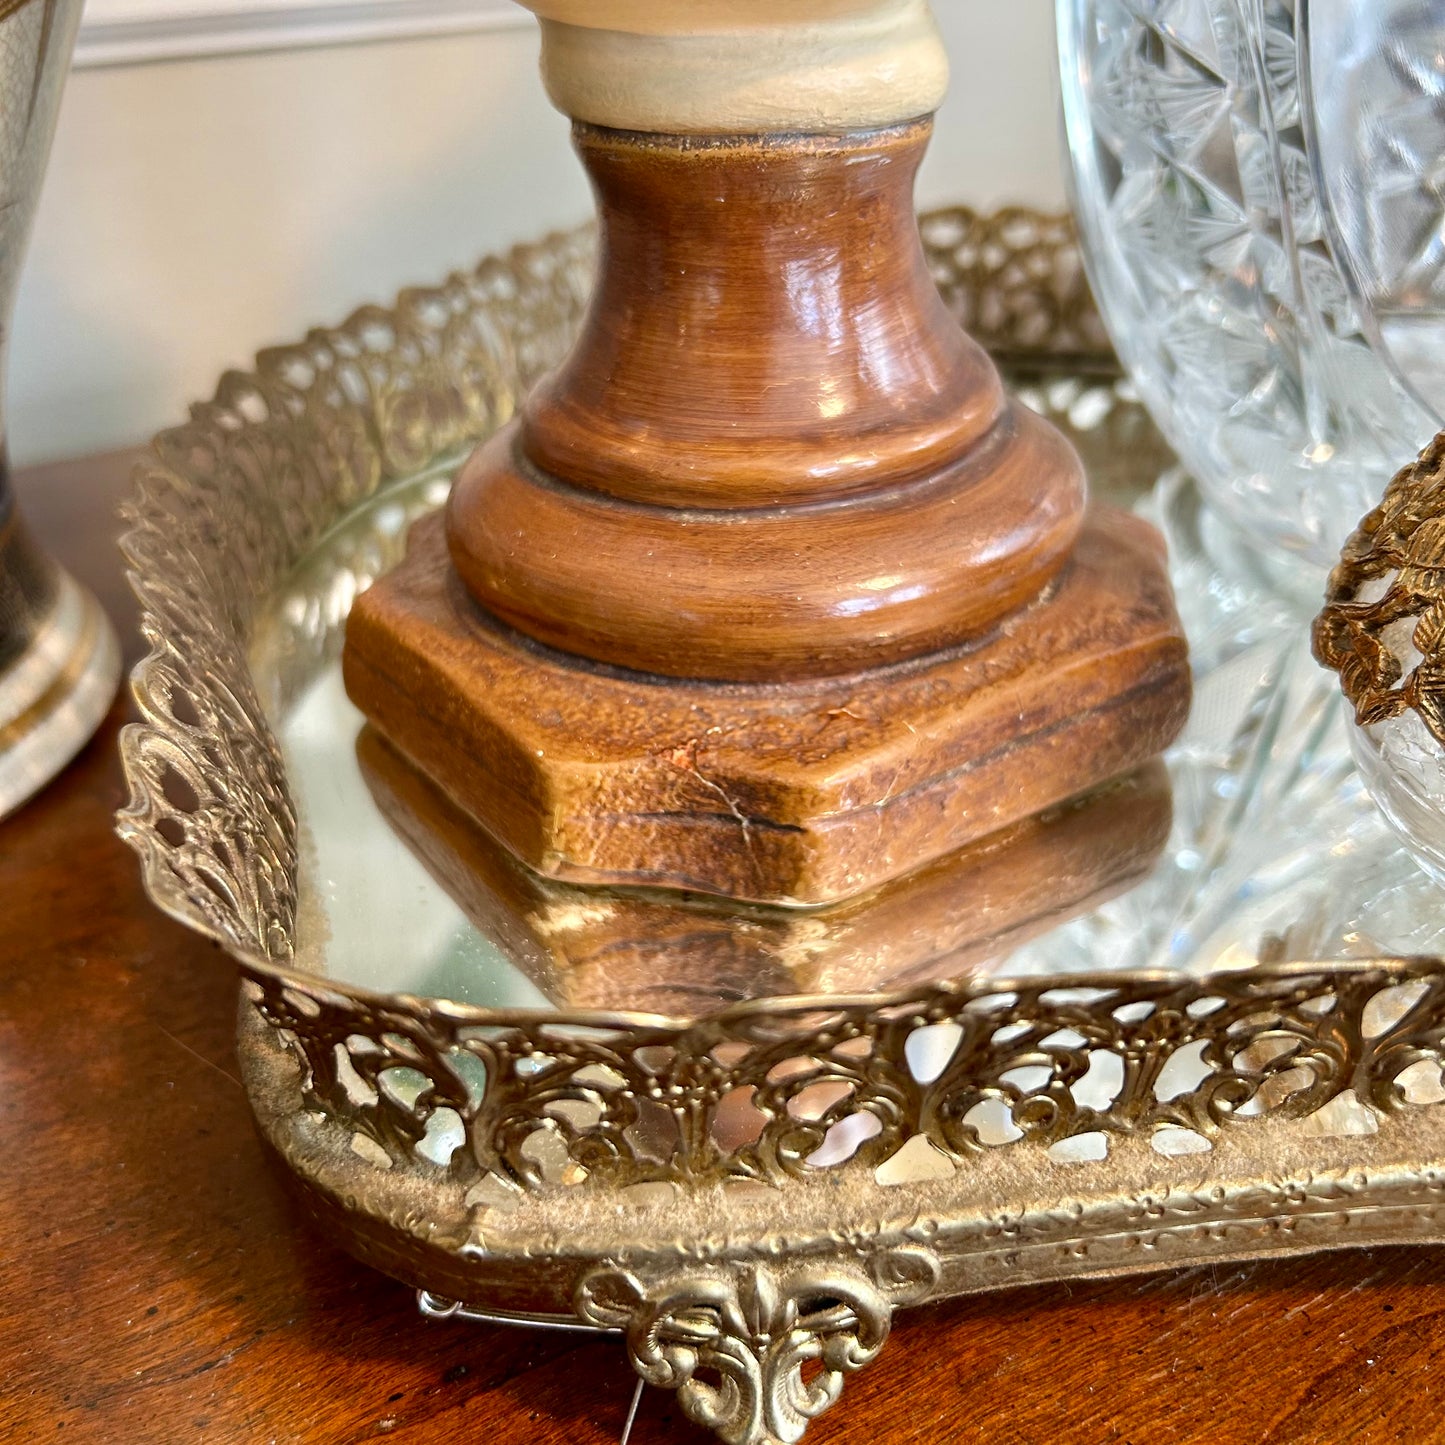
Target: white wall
x,y
197,210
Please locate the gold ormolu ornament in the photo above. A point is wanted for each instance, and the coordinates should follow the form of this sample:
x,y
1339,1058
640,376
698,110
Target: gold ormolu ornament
x,y
1403,540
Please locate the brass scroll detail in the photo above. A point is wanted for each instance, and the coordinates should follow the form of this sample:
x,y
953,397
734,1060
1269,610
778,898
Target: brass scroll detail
x,y
757,1352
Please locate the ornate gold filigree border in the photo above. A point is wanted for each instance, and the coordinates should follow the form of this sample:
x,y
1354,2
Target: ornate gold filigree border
x,y
758,1092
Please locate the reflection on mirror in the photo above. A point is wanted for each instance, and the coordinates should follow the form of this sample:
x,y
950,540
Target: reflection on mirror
x,y
685,954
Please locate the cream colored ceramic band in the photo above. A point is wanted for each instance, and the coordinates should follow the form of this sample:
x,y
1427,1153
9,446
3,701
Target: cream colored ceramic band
x,y
742,66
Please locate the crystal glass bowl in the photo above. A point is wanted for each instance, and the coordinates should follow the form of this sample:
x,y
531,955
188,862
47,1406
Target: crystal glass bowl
x,y
1256,185
1373,78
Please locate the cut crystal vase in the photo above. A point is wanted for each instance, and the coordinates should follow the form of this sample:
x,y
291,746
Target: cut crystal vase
x,y
1258,185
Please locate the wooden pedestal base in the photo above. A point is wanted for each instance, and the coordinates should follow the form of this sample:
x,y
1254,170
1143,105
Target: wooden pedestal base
x,y
782,793
768,590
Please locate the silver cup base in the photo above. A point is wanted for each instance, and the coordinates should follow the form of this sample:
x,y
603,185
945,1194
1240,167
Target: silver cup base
x,y
55,695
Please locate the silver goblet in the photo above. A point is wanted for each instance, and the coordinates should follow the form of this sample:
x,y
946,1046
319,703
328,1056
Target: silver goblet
x,y
59,661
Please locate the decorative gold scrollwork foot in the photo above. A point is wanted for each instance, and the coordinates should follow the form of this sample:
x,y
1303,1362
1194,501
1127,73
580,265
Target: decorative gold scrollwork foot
x,y
756,1352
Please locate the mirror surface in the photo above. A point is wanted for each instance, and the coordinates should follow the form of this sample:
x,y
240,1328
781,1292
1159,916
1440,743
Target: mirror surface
x,y
1252,839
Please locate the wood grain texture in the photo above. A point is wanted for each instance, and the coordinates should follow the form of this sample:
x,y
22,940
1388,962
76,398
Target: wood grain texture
x,y
156,1285
762,302
769,591
807,793
780,594
772,453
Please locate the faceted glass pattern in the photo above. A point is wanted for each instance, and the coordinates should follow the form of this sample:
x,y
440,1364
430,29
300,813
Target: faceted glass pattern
x,y
1277,847
1197,189
1374,77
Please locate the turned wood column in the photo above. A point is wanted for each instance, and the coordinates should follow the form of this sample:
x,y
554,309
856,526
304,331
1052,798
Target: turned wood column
x,y
773,454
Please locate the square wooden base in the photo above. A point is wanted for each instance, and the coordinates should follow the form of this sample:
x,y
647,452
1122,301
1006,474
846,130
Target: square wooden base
x,y
790,794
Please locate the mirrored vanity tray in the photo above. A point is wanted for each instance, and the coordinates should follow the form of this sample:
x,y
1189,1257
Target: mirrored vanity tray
x,y
1195,1015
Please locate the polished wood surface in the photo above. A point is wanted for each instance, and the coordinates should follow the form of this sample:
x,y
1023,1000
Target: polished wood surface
x,y
772,453
769,591
776,595
759,301
157,1286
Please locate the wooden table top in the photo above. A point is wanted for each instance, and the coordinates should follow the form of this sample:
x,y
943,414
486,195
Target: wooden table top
x,y
156,1285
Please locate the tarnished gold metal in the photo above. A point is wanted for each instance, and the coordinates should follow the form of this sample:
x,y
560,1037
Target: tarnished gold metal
x,y
1391,574
756,1329
746,1197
